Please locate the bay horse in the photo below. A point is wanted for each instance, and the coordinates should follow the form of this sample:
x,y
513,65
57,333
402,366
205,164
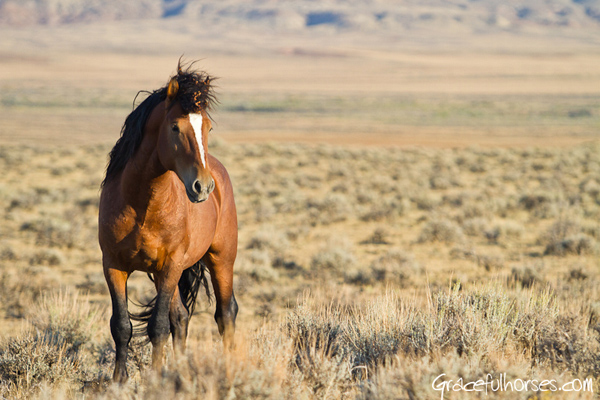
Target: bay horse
x,y
167,209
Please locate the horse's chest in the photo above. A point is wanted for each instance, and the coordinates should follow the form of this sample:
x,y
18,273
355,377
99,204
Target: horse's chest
x,y
149,250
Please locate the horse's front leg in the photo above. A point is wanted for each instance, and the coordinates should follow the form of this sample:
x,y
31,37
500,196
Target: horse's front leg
x,y
179,318
120,324
160,323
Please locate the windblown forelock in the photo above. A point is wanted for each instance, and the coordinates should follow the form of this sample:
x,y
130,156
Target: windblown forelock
x,y
195,92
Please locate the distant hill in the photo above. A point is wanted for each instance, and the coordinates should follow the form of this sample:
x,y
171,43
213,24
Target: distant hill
x,y
385,15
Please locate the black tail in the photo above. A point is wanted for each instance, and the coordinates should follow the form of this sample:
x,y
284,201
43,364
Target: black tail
x,y
189,284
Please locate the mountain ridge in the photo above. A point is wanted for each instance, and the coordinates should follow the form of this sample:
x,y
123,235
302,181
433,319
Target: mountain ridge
x,y
349,15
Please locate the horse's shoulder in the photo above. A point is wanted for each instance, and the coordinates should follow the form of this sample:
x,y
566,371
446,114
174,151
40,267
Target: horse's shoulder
x,y
114,214
218,170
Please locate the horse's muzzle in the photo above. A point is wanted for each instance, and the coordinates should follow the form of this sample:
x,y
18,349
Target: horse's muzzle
x,y
199,192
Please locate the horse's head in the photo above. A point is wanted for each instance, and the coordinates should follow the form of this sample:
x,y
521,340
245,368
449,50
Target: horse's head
x,y
182,144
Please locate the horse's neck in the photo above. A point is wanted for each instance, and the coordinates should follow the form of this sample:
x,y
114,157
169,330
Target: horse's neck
x,y
144,178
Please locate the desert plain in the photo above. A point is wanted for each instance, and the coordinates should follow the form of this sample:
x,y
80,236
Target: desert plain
x,y
410,204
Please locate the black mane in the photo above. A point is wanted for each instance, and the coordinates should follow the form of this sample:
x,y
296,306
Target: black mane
x,y
194,94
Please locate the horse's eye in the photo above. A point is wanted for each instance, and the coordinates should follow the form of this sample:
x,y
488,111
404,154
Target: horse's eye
x,y
175,128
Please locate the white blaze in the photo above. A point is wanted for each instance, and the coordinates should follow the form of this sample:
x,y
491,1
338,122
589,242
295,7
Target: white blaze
x,y
196,121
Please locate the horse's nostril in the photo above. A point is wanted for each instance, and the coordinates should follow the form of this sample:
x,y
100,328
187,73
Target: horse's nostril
x,y
197,187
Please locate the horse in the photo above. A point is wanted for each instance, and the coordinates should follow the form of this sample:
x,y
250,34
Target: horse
x,y
167,209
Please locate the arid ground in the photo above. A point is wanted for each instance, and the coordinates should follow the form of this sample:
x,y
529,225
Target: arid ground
x,y
408,207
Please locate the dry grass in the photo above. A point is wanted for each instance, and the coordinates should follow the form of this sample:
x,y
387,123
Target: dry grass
x,y
388,347
491,272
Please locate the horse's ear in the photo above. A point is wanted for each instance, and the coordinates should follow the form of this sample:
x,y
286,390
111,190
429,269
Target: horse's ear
x,y
172,90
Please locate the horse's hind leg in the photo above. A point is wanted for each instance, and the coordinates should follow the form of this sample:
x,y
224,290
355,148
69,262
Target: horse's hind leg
x,y
220,265
120,324
179,318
